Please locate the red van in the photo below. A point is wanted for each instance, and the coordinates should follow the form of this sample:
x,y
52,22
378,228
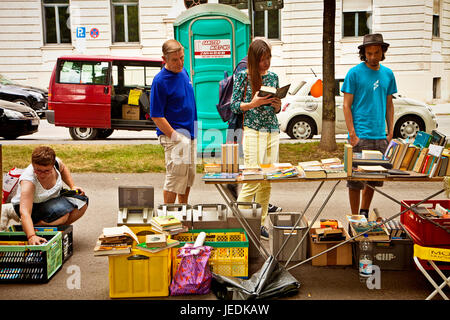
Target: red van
x,y
89,94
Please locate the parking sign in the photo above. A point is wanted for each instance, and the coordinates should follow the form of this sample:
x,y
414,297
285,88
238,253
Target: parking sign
x,y
81,32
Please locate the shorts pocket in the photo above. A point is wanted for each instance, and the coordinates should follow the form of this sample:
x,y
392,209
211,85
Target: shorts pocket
x,y
177,169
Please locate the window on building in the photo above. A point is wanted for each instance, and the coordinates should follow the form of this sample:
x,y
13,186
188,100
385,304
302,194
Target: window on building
x,y
125,20
56,14
436,88
191,3
436,20
266,24
356,18
80,72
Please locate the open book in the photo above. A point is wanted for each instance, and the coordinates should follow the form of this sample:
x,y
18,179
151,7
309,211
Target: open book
x,y
119,231
279,93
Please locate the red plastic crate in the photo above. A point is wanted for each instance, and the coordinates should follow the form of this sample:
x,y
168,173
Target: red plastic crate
x,y
425,232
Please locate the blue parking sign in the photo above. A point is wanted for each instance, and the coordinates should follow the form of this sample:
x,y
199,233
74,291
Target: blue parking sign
x,y
81,32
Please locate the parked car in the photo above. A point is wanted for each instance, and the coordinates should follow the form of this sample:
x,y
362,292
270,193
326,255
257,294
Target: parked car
x,y
301,113
32,97
89,94
17,120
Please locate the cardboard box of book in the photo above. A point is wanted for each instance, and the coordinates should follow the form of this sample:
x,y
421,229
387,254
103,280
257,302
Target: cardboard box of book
x,y
341,256
130,112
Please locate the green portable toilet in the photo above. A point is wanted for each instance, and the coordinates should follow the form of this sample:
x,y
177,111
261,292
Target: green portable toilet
x,y
215,37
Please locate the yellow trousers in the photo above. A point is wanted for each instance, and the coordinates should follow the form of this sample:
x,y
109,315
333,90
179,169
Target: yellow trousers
x,y
260,147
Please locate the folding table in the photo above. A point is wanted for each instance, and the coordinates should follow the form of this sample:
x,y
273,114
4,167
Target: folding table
x,y
228,198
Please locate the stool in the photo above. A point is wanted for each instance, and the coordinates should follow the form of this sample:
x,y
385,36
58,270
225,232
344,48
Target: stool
x,y
431,255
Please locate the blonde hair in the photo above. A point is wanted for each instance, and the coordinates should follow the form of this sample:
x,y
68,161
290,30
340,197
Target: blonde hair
x,y
171,46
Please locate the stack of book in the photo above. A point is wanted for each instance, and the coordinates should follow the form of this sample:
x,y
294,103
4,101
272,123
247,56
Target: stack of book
x,y
221,176
333,168
312,169
281,171
166,224
255,173
230,158
115,241
374,171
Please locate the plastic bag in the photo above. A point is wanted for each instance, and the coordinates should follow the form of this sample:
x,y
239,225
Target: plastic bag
x,y
193,275
10,184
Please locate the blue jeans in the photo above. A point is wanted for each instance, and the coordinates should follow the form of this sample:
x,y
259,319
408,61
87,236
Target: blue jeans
x,y
52,209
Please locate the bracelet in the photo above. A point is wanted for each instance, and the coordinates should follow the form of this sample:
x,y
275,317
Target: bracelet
x,y
28,238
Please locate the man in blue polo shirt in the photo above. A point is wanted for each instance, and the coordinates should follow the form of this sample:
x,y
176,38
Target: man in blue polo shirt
x,y
173,109
368,107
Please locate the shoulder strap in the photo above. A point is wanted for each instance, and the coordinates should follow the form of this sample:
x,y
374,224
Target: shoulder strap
x,y
57,165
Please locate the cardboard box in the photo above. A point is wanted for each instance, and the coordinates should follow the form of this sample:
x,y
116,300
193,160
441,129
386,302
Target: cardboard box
x,y
341,256
130,112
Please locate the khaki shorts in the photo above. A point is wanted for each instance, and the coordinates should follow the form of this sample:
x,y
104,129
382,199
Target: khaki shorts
x,y
366,144
180,165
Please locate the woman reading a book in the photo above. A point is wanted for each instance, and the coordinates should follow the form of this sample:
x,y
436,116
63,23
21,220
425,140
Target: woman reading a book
x,y
41,200
261,130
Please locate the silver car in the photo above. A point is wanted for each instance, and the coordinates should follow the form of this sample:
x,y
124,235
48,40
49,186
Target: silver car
x,y
301,114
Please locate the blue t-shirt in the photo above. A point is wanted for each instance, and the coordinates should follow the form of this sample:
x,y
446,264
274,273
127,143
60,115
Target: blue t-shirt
x,y
172,97
370,89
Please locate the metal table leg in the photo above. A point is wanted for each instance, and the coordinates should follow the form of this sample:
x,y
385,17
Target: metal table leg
x,y
226,195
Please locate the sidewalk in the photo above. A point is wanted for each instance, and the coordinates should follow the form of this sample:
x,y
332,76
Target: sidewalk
x,y
317,283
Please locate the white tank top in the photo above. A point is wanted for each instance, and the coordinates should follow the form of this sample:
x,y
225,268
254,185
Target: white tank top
x,y
40,194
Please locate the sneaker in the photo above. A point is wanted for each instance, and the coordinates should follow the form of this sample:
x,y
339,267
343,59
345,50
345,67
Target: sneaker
x,y
274,208
264,233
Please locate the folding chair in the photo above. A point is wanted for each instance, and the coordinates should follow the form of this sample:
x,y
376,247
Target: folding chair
x,y
431,255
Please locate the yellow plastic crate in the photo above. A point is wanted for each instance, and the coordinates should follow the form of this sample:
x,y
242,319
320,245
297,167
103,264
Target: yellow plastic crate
x,y
140,274
229,254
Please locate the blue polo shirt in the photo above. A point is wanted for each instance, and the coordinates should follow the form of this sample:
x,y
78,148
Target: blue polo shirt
x,y
172,97
370,89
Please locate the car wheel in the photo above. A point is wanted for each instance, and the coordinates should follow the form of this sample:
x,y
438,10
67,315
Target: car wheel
x,y
83,133
408,126
301,128
104,133
22,102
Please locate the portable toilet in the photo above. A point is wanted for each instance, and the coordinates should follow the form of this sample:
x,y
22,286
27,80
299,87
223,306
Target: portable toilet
x,y
215,37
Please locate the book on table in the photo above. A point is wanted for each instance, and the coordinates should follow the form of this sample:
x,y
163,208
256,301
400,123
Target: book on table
x,y
220,176
271,91
255,173
170,244
165,222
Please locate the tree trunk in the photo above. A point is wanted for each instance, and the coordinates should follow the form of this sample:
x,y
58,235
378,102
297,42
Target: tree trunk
x,y
328,137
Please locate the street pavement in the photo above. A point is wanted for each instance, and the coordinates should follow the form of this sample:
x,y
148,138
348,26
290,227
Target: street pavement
x,y
317,283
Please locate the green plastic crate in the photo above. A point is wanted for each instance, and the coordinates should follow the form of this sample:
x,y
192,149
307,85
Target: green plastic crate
x,y
30,264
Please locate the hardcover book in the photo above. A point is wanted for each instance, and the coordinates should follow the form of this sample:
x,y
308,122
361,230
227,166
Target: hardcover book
x,y
279,93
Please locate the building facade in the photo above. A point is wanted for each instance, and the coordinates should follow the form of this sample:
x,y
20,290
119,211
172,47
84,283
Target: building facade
x,y
35,32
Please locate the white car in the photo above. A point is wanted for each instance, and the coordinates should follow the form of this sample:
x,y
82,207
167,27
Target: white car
x,y
301,114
